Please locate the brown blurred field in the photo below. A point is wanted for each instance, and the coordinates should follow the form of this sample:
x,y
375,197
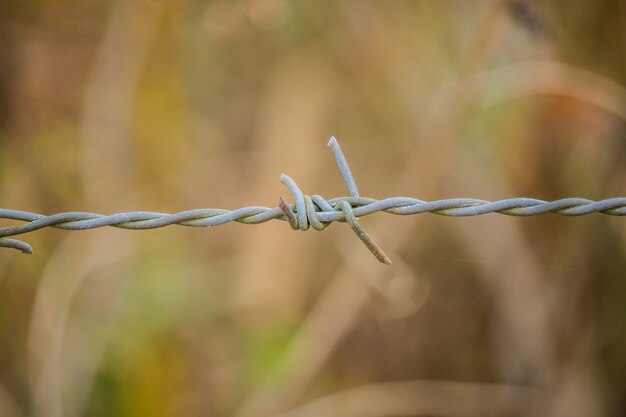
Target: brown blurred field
x,y
109,106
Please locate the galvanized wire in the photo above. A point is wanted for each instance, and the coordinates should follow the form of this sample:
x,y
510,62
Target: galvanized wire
x,y
308,211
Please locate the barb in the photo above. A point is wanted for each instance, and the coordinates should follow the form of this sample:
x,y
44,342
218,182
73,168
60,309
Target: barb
x,y
314,211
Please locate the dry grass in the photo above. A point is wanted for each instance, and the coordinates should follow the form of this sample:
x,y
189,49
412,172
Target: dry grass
x,y
172,105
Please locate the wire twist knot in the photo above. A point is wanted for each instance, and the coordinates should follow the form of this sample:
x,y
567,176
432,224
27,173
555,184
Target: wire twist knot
x,y
308,208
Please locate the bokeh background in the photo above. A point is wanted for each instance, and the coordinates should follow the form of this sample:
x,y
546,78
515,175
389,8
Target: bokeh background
x,y
168,105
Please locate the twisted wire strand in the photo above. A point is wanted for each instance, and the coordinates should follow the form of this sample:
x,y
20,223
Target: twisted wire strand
x,y
308,211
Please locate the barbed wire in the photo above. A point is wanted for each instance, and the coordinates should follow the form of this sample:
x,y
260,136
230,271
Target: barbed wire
x,y
307,212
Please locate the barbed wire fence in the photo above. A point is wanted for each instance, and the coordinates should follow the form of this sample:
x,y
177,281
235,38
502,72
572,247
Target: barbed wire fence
x,y
307,212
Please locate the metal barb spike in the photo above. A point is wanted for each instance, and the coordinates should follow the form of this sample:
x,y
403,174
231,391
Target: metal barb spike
x,y
308,213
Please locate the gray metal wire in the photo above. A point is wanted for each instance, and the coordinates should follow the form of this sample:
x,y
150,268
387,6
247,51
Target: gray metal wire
x,y
308,211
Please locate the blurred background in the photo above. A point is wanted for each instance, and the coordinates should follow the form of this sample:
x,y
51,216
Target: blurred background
x,y
109,106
